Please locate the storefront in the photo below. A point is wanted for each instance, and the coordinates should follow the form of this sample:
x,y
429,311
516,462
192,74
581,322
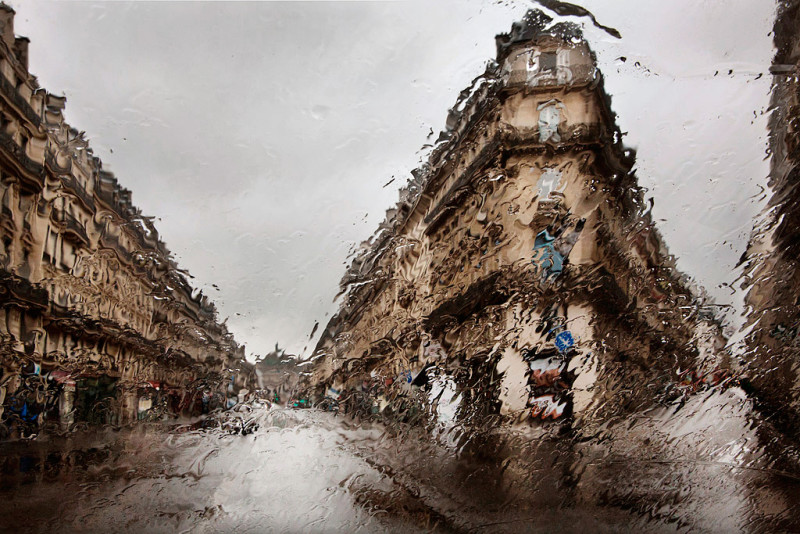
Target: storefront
x,y
96,400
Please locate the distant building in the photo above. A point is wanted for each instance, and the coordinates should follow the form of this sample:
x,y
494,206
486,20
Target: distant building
x,y
520,274
97,323
278,376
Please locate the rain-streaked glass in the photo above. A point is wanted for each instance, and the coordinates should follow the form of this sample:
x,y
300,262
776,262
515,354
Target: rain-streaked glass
x,y
399,266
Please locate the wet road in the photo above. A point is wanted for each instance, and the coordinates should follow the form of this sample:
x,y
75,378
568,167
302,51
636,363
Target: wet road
x,y
300,471
695,467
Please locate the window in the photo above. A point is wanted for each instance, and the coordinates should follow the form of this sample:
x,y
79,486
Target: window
x,y
547,61
549,119
548,182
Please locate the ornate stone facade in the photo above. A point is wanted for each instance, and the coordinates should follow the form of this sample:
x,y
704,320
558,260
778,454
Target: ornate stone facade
x,y
521,273
97,323
772,267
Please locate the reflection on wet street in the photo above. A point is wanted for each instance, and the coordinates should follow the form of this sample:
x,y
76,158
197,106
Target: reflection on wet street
x,y
294,472
694,467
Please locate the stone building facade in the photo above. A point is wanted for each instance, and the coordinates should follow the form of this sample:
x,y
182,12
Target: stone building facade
x,y
520,274
97,323
772,262
278,376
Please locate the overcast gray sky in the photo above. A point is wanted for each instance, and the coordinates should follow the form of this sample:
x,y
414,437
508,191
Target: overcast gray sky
x,y
261,134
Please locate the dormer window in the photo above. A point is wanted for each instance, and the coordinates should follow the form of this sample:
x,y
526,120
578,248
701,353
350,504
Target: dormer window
x,y
547,62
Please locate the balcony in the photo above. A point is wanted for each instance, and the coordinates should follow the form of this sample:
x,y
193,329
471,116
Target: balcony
x,y
109,191
71,227
112,242
573,75
52,164
72,185
12,95
568,134
13,288
552,205
17,156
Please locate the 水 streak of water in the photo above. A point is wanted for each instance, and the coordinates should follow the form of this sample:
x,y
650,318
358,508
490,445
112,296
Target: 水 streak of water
x,y
559,326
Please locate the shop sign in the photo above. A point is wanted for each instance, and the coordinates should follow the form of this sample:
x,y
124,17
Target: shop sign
x,y
546,373
546,406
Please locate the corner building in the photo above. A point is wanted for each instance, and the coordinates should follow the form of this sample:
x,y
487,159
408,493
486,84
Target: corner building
x,y
520,270
97,323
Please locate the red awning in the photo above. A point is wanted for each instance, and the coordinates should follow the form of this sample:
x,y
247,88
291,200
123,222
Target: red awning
x,y
59,375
